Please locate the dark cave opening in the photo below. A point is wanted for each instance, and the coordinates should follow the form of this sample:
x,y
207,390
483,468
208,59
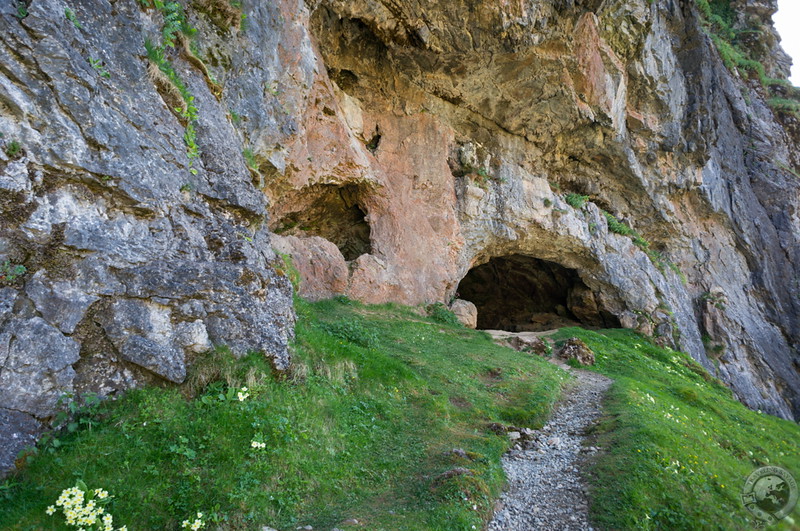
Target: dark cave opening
x,y
333,212
524,294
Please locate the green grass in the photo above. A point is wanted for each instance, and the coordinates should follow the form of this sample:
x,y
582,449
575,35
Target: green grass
x,y
378,396
677,446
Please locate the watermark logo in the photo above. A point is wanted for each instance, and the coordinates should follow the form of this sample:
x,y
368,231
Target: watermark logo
x,y
770,493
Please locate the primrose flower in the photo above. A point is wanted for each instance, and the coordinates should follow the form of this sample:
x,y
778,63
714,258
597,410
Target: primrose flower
x,y
196,524
50,510
242,394
256,444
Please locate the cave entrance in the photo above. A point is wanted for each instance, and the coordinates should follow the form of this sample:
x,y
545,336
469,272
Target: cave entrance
x,y
333,212
523,294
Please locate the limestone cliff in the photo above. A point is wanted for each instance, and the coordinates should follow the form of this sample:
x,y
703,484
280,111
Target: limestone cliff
x,y
588,161
594,157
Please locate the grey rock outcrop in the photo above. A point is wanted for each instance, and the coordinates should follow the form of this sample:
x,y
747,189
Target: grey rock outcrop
x,y
136,261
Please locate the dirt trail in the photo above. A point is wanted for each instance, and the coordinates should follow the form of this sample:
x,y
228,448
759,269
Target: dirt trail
x,y
545,490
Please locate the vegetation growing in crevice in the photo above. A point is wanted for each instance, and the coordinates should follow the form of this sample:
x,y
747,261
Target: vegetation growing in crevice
x,y
658,259
225,14
13,149
20,8
719,20
175,28
70,15
176,95
576,200
10,272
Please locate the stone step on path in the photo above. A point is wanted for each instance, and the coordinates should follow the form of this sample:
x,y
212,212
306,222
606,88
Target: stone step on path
x,y
545,490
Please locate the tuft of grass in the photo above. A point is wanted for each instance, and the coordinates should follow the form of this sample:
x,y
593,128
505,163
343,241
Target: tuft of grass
x,y
441,313
677,445
363,428
13,149
70,15
250,159
99,66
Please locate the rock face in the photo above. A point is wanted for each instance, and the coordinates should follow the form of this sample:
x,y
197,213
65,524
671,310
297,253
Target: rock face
x,y
133,263
530,138
394,148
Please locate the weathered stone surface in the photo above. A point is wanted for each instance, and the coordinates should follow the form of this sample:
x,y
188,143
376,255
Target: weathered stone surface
x,y
321,265
21,432
609,100
525,343
520,341
575,349
37,366
466,312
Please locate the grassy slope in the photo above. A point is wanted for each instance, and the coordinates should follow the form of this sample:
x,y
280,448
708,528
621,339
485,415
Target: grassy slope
x,y
679,447
379,395
361,431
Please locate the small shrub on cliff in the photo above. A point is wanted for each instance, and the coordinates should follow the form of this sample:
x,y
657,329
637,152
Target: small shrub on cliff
x,y
10,272
13,149
576,200
616,226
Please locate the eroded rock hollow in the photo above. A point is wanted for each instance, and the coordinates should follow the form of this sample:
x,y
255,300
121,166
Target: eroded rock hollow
x,y
520,294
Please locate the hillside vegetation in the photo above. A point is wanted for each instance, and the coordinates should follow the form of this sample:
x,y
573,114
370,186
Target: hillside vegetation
x,y
365,429
678,446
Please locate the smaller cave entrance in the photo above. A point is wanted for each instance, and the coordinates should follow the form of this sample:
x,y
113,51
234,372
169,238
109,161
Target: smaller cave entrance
x,y
333,212
523,294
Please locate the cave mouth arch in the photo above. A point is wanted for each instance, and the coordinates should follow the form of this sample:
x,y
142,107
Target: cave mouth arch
x,y
524,294
333,212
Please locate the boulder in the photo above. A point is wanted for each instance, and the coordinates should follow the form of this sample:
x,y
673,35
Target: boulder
x,y
466,312
576,349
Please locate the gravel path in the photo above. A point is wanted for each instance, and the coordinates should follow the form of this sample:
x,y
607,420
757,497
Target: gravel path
x,y
545,490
